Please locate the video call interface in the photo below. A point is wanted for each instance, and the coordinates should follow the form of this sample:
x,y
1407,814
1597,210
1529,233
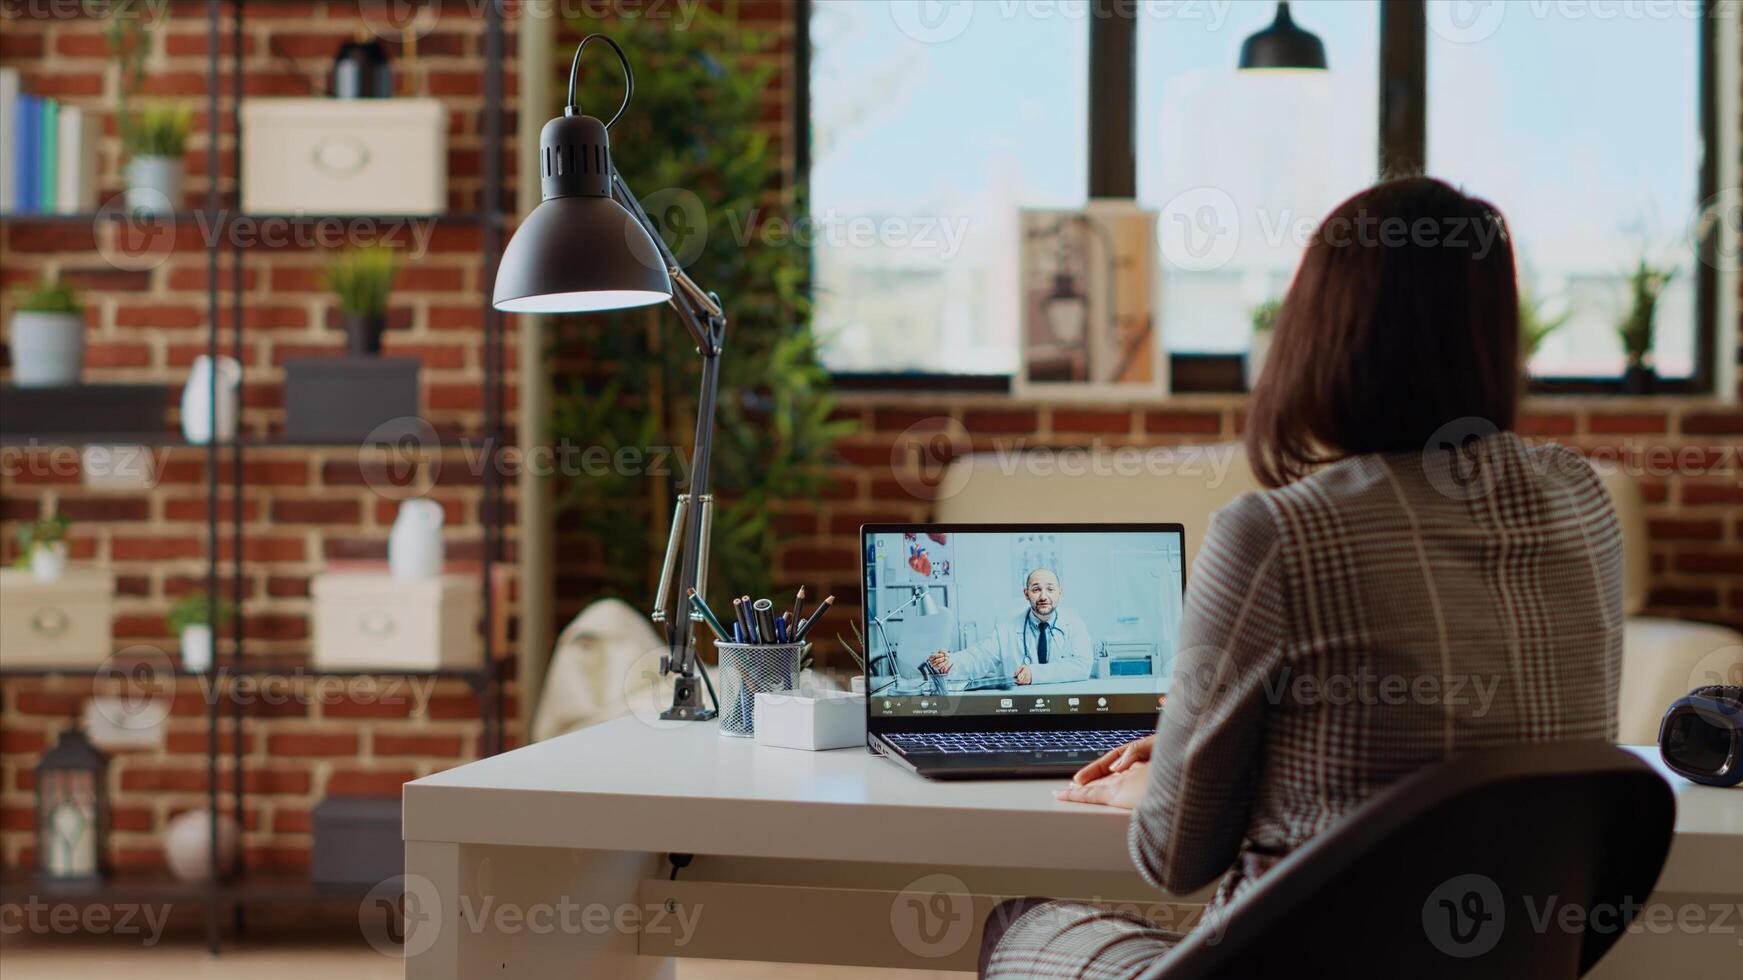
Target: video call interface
x,y
1021,622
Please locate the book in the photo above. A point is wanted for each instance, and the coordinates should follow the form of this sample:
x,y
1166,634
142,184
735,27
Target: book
x,y
48,142
77,189
27,155
8,138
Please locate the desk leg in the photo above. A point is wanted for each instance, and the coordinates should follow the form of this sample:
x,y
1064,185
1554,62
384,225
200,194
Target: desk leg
x,y
487,910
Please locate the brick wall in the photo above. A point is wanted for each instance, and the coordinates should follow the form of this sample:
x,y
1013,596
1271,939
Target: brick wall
x,y
303,507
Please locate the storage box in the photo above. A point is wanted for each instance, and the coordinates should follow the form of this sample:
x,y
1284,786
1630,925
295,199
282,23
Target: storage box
x,y
814,720
77,412
349,399
344,156
357,841
64,623
372,621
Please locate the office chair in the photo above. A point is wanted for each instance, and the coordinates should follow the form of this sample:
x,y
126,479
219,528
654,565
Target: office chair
x,y
1458,871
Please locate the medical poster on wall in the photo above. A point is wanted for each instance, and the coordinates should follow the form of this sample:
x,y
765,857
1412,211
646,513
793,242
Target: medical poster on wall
x,y
1087,324
925,559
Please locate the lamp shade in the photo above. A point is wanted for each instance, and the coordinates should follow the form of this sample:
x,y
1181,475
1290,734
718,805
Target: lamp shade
x,y
1283,45
579,250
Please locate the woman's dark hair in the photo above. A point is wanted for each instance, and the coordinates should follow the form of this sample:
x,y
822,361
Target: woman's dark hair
x,y
1403,316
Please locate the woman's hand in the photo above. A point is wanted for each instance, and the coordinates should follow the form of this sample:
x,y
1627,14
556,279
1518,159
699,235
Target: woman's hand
x,y
1117,760
1122,789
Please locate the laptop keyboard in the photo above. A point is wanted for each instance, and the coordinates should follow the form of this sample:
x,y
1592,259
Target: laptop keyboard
x,y
964,743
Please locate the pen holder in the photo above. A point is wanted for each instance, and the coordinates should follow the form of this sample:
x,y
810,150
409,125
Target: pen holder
x,y
747,668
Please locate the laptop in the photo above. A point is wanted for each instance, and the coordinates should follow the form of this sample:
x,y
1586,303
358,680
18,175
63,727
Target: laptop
x,y
1005,650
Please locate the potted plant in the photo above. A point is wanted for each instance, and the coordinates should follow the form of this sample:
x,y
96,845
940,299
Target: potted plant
x,y
1646,284
42,547
361,280
154,139
48,336
1534,326
193,619
1264,318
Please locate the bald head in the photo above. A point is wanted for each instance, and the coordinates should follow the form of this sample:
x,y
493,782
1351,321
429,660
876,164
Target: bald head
x,y
1042,591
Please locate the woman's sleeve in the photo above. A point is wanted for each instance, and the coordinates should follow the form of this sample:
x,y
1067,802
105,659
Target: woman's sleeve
x,y
1188,829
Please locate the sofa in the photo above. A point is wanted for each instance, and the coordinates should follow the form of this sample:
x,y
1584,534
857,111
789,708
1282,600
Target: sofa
x,y
1662,659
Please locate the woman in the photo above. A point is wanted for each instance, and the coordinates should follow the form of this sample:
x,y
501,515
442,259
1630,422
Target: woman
x,y
1416,582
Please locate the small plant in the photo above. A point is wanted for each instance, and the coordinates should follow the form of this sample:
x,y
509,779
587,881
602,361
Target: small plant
x,y
1534,326
362,279
48,296
44,533
194,609
1646,283
1265,315
157,131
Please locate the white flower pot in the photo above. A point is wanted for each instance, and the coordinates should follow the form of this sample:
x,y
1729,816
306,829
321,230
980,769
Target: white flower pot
x,y
197,647
154,185
414,547
48,349
198,417
48,562
187,845
1256,354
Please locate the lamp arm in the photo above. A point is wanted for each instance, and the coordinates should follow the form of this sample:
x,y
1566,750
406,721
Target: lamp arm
x,y
693,303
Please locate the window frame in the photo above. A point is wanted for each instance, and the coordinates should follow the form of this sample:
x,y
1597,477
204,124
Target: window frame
x,y
1402,118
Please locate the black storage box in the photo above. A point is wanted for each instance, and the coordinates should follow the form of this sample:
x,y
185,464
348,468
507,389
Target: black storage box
x,y
349,399
84,413
357,841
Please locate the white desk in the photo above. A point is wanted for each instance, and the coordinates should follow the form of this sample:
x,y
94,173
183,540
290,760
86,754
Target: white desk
x,y
548,861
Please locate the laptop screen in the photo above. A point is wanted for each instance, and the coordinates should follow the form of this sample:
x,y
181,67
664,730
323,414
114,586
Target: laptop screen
x,y
973,620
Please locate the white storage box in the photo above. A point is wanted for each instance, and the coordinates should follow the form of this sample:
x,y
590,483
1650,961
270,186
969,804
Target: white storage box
x,y
372,621
814,720
344,156
65,623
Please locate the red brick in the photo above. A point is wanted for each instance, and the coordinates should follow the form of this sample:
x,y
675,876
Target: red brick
x,y
1644,423
1712,424
353,782
1712,493
154,548
1183,423
316,511
1668,529
444,746
290,744
1546,425
1072,420
108,509
1000,420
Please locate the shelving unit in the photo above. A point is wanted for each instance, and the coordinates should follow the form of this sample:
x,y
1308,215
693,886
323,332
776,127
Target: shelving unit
x,y
485,680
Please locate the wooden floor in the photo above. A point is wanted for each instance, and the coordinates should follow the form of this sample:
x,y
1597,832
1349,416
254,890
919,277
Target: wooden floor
x,y
64,960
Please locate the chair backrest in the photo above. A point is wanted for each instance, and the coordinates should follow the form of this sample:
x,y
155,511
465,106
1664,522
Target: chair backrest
x,y
1468,869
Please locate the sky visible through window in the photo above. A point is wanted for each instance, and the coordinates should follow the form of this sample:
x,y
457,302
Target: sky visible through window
x,y
933,124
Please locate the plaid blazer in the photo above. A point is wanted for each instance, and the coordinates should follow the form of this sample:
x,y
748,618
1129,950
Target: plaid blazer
x,y
1342,632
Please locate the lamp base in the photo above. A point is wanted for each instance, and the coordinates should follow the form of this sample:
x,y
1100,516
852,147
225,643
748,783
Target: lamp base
x,y
687,703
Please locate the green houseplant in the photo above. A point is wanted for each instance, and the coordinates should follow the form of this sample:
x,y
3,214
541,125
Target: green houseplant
x,y
47,336
1646,283
1264,319
361,280
42,547
1535,326
625,381
155,138
193,618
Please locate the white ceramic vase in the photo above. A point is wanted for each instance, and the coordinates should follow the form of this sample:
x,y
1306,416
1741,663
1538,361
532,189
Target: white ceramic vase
x,y
187,847
48,349
198,417
414,546
1254,363
154,185
48,562
197,647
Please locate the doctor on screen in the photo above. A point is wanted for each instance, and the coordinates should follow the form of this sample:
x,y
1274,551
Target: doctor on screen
x,y
1042,645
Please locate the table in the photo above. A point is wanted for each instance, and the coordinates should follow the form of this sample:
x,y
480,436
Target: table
x,y
550,861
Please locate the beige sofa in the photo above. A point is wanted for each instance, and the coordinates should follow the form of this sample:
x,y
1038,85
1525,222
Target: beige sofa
x,y
1662,659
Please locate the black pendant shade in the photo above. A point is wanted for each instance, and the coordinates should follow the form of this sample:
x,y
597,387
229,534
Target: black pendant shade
x,y
1283,46
579,250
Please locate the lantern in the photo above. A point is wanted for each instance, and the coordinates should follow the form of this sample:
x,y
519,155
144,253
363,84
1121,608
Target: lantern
x,y
72,810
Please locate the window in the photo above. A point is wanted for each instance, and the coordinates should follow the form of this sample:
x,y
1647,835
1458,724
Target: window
x,y
1222,148
930,125
922,152
1585,131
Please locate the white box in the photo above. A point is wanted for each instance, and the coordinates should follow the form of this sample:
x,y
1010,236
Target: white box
x,y
65,623
814,720
372,621
344,156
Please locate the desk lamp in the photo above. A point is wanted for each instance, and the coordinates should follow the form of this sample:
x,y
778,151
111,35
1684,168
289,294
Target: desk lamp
x,y
928,606
1284,46
588,247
